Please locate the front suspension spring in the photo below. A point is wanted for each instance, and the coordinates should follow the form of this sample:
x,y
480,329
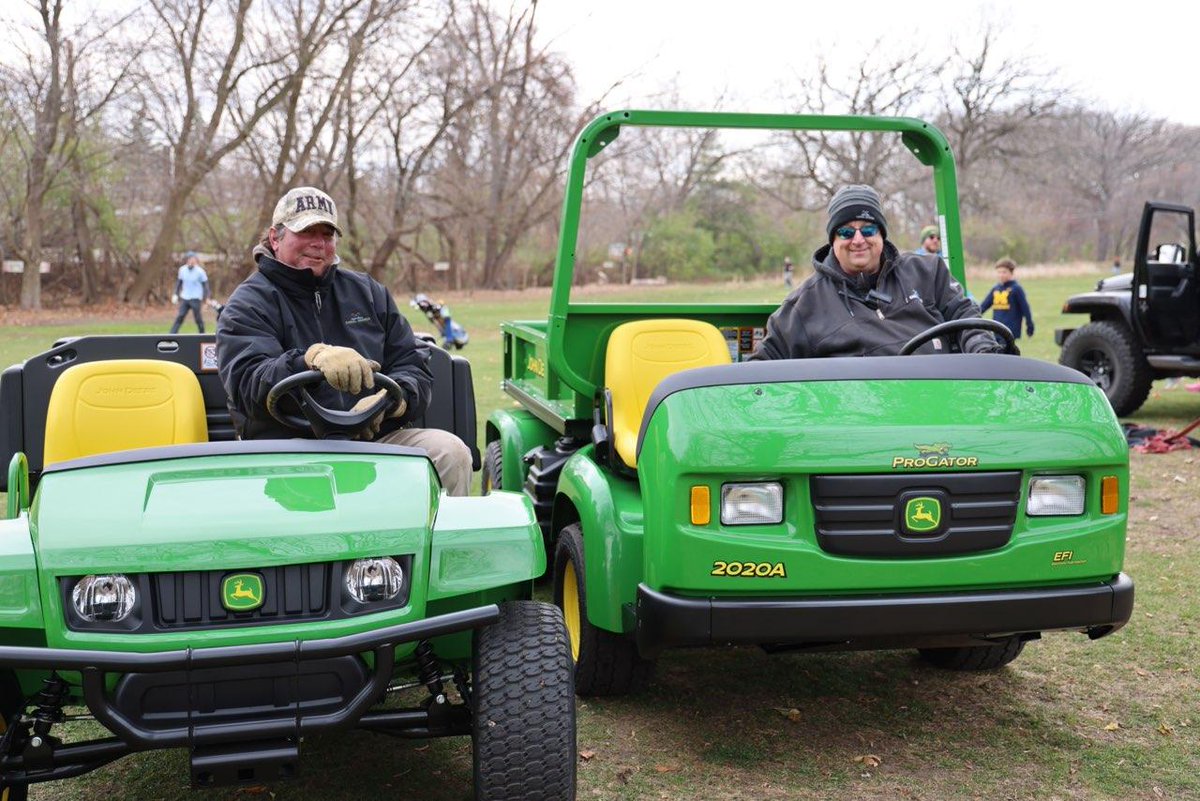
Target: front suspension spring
x,y
427,668
49,703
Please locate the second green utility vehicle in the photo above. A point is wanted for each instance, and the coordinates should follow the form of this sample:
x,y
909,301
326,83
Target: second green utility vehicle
x,y
958,504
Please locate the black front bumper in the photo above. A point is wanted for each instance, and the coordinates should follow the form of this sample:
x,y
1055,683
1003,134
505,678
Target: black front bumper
x,y
665,620
381,643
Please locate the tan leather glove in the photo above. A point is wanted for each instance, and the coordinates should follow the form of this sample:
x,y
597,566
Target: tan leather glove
x,y
344,368
376,423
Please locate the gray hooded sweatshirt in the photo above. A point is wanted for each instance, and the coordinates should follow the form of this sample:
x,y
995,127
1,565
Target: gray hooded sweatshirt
x,y
834,314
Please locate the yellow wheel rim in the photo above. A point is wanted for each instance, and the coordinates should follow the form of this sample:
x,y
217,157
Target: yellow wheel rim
x,y
570,607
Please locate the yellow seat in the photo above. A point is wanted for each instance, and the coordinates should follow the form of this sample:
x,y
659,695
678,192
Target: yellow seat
x,y
118,405
641,354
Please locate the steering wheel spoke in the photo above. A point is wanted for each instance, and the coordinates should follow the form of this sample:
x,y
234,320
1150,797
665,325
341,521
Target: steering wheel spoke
x,y
323,422
958,326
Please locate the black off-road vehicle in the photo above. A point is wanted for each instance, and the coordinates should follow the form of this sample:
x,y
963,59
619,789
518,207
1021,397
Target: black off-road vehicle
x,y
1144,325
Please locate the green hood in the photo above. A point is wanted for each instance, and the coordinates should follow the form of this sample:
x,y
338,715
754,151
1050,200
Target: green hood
x,y
232,511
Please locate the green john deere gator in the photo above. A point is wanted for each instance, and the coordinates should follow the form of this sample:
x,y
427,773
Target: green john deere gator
x,y
188,590
957,504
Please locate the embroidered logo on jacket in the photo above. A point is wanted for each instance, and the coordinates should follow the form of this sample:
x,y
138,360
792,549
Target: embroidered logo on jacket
x,y
357,317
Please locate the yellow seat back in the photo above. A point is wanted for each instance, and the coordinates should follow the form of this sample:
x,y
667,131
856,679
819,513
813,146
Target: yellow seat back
x,y
118,405
641,354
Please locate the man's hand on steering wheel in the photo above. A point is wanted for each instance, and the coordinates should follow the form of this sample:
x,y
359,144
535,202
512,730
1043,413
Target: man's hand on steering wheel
x,y
1007,344
369,402
344,368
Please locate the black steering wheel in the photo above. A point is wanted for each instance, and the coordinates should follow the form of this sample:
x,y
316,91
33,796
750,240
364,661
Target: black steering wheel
x,y
327,423
964,324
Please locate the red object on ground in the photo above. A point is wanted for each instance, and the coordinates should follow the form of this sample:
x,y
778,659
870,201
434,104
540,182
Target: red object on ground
x,y
1193,387
1167,441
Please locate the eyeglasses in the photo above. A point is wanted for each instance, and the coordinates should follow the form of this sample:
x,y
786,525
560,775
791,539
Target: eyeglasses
x,y
934,236
846,232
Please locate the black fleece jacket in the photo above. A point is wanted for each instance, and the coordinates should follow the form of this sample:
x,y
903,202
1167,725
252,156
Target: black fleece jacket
x,y
832,314
278,312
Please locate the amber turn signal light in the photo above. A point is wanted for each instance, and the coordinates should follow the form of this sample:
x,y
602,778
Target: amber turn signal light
x,y
1110,495
701,506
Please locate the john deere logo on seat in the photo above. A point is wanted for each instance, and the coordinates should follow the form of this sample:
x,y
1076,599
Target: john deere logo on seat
x,y
242,592
922,514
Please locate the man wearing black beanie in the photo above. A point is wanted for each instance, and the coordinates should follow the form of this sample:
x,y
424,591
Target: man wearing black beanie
x,y
865,297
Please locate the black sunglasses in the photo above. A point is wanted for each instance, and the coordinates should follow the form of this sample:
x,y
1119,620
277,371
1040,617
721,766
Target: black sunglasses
x,y
847,232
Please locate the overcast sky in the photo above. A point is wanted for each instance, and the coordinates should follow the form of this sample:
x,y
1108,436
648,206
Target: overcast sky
x,y
1136,56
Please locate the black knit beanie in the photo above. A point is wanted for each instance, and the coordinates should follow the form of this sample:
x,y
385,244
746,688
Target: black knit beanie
x,y
855,202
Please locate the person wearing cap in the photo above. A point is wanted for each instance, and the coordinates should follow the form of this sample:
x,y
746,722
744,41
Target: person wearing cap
x,y
191,290
299,311
931,242
867,298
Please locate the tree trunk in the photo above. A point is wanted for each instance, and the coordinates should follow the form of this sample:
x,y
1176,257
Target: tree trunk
x,y
159,263
83,243
31,252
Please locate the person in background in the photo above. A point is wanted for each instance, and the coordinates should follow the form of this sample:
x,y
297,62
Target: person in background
x,y
1007,300
931,242
191,291
788,272
300,312
867,298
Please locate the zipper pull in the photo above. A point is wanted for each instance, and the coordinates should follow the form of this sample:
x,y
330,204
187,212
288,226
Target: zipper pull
x,y
877,311
317,295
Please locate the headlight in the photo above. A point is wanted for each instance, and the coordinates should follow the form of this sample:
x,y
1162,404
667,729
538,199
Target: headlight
x,y
104,598
751,504
1055,495
371,580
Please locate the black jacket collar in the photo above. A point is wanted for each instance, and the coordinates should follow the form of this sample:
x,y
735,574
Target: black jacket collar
x,y
292,280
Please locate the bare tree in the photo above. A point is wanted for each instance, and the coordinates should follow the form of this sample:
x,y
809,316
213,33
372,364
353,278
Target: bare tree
x,y
218,72
888,82
43,102
63,85
505,158
305,138
989,101
1103,162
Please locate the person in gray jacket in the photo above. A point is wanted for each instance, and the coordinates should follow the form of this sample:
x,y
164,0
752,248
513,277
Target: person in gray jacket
x,y
867,298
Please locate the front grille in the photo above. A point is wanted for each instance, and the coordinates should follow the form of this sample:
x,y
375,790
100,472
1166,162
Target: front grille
x,y
193,599
863,515
187,600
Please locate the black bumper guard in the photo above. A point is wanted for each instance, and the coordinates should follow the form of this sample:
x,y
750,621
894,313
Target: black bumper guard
x,y
667,620
75,759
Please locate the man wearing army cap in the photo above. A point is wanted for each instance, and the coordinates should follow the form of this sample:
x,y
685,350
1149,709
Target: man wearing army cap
x,y
299,311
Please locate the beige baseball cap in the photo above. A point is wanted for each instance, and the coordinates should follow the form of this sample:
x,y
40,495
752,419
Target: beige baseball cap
x,y
304,207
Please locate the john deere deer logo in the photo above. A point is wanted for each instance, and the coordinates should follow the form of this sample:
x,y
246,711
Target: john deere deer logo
x,y
922,514
242,592
936,449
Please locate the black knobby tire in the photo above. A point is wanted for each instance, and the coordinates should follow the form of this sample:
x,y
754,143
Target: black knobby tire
x,y
1110,355
524,723
11,702
605,663
493,467
975,657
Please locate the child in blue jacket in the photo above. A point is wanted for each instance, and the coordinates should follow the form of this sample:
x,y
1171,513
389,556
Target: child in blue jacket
x,y
1007,300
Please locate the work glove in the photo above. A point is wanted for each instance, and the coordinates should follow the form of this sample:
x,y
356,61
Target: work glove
x,y
1029,329
174,298
376,423
344,368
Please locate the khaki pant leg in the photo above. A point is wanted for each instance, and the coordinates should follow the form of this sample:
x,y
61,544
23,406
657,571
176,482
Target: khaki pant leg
x,y
449,454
